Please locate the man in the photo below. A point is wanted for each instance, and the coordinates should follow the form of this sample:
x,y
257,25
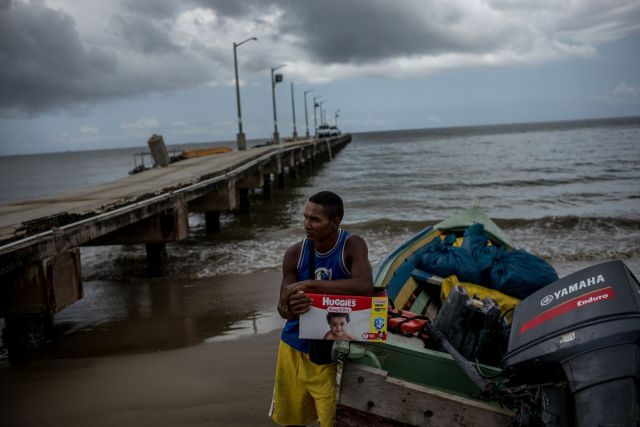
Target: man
x,y
304,391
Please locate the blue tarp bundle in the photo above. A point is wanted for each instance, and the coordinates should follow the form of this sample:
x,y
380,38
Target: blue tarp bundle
x,y
444,259
519,274
475,242
515,272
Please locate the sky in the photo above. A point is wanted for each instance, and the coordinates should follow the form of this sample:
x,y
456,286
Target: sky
x,y
95,74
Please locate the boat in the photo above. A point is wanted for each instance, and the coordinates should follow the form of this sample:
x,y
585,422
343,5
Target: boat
x,y
547,376
176,155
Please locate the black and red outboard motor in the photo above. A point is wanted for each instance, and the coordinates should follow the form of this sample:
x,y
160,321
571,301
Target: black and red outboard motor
x,y
576,343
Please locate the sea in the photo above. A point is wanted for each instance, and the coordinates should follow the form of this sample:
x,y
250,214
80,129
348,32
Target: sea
x,y
567,191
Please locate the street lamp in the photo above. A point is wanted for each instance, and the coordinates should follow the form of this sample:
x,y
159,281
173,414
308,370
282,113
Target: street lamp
x,y
293,109
277,78
335,118
241,139
316,104
306,118
315,119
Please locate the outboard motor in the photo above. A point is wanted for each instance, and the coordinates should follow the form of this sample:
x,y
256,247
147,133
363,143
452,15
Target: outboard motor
x,y
576,344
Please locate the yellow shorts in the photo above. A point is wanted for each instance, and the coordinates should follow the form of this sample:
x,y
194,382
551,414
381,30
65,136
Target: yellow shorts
x,y
304,392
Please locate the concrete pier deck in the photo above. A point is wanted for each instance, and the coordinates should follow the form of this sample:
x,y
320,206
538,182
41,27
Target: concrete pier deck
x,y
40,270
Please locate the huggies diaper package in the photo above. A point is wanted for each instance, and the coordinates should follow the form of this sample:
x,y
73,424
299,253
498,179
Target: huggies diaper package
x,y
345,317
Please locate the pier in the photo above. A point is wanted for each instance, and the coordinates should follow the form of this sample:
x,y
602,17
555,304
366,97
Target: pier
x,y
40,268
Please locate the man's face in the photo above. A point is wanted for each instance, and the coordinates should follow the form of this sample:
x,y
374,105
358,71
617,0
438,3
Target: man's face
x,y
338,325
317,224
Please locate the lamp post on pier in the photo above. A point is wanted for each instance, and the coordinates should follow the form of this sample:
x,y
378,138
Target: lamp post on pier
x,y
275,78
293,109
335,118
306,118
315,118
317,104
240,138
323,113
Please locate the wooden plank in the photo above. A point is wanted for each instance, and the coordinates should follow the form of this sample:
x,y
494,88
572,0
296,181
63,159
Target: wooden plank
x,y
405,293
421,301
432,309
372,391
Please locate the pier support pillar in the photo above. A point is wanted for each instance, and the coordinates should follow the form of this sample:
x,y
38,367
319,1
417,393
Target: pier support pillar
x,y
244,203
302,167
223,199
34,293
212,219
171,225
280,176
267,186
291,172
246,185
156,259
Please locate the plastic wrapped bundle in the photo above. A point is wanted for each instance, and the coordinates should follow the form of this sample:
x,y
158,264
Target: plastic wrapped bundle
x,y
443,259
519,273
475,242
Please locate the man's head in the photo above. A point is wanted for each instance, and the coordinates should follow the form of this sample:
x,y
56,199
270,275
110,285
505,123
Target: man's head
x,y
338,322
322,215
331,202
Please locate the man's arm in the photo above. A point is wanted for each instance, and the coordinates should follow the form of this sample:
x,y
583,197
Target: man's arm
x,y
289,276
360,283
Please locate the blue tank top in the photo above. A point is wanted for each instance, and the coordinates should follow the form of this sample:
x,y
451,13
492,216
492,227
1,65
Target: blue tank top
x,y
329,266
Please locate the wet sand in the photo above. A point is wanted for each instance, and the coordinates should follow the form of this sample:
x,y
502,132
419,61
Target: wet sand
x,y
224,380
226,383
172,376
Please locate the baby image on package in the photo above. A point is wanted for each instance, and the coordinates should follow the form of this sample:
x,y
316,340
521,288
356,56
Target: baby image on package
x,y
344,317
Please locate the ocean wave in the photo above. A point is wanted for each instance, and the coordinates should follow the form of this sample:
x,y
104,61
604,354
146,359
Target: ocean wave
x,y
570,222
524,183
387,225
544,223
555,238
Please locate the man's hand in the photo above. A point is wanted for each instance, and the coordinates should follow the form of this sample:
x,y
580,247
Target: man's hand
x,y
299,302
293,300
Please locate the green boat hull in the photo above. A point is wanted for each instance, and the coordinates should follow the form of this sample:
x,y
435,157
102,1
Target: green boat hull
x,y
441,393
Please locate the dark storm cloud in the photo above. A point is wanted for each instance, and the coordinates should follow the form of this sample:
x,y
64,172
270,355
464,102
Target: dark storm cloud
x,y
44,63
153,8
234,8
46,66
378,30
144,35
145,46
336,31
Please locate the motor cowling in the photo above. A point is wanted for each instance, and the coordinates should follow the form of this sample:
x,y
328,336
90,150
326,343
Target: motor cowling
x,y
583,329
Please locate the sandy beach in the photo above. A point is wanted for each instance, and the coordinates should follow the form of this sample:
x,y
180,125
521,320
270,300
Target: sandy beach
x,y
226,380
227,383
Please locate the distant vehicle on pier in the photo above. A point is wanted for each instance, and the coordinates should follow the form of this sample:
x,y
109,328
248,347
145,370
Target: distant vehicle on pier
x,y
325,131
